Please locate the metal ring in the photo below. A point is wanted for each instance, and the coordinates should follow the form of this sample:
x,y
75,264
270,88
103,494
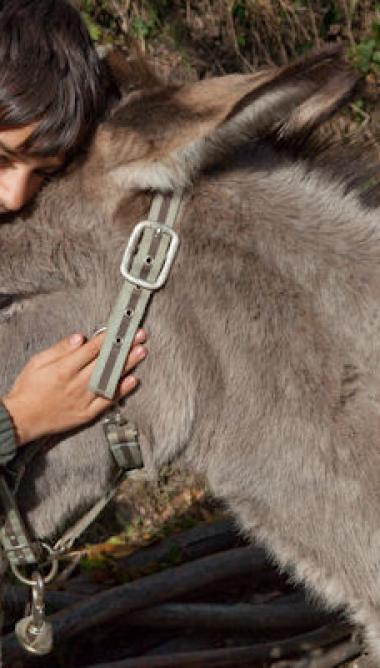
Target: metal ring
x,y
98,331
46,578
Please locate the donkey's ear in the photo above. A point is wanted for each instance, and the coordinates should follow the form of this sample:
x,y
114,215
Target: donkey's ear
x,y
163,135
297,98
131,74
226,111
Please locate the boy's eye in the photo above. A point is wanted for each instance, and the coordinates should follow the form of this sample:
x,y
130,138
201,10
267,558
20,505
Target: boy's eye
x,y
46,173
4,160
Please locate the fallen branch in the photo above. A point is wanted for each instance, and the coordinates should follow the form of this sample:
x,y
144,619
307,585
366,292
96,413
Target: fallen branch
x,y
266,617
187,545
184,546
239,656
108,605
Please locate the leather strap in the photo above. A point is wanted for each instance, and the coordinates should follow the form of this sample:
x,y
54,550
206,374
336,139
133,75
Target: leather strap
x,y
151,256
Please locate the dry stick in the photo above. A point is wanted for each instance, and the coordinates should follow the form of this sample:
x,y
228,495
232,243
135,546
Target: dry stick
x,y
238,656
267,617
174,582
184,546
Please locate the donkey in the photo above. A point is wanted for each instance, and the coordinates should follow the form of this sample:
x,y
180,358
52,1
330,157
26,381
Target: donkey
x,y
264,365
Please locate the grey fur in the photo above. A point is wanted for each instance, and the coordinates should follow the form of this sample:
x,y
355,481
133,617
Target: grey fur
x,y
264,364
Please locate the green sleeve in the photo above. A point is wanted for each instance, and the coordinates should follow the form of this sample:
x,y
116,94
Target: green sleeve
x,y
8,439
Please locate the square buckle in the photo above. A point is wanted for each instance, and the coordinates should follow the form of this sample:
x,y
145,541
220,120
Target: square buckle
x,y
133,245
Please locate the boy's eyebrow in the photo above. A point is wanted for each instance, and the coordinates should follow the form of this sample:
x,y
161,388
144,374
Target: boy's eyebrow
x,y
14,153
7,150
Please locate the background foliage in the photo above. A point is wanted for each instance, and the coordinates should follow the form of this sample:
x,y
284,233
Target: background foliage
x,y
200,38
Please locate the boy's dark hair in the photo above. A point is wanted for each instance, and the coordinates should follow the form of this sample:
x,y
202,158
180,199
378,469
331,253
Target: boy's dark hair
x,y
51,73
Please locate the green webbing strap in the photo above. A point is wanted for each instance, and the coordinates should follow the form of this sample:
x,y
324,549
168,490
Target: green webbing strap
x,y
150,256
14,539
8,440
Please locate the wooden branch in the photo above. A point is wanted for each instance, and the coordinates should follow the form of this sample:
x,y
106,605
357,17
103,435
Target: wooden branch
x,y
108,605
239,656
267,617
194,543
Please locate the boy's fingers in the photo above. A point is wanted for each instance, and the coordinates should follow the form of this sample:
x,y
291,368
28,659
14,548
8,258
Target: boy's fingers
x,y
60,349
137,354
99,404
140,337
84,355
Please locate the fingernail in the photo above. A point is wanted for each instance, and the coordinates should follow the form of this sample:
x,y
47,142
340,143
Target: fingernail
x,y
141,351
76,339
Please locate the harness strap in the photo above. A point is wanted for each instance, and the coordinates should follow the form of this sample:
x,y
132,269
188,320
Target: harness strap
x,y
13,535
145,266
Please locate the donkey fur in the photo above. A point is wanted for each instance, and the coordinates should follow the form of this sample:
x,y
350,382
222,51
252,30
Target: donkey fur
x,y
264,363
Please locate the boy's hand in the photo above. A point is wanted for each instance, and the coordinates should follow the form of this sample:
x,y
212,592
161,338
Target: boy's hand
x,y
51,396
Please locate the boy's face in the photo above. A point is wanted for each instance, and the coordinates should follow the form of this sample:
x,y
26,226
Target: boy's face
x,y
21,178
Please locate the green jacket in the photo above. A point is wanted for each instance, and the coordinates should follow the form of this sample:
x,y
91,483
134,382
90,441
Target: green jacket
x,y
8,439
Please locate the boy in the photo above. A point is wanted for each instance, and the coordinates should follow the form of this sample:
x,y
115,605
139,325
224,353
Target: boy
x,y
53,91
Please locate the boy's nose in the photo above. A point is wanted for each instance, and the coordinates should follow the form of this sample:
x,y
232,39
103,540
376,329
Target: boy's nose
x,y
14,187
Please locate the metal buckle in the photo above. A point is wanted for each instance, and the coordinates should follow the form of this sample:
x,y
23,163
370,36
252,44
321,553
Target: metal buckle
x,y
132,247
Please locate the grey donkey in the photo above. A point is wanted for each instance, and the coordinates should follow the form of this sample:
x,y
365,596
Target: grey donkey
x,y
264,364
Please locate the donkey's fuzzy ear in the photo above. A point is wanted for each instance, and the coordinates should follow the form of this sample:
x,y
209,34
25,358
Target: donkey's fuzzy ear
x,y
299,97
131,74
162,136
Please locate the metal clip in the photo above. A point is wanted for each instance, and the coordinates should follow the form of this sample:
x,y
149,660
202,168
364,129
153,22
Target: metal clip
x,y
34,633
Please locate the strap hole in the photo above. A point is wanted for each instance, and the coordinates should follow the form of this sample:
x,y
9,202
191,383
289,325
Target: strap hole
x,y
148,260
119,340
129,312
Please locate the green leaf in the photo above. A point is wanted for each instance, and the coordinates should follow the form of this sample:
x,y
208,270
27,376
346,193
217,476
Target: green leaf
x,y
375,28
92,27
239,10
363,54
